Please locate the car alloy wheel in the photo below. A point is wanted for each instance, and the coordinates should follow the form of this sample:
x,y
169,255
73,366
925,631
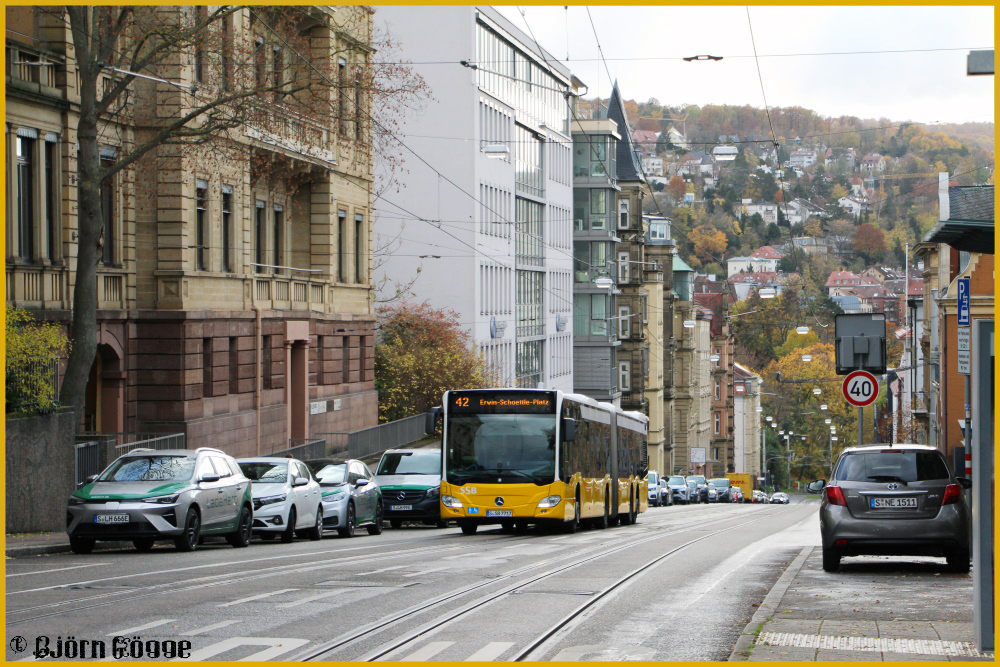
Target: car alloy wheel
x,y
349,522
316,532
376,528
188,540
289,533
241,538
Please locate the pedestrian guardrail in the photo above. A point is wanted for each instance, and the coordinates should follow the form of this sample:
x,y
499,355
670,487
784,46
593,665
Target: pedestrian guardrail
x,y
303,449
377,439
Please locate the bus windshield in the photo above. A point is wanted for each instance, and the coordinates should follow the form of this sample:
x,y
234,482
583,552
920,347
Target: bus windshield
x,y
501,448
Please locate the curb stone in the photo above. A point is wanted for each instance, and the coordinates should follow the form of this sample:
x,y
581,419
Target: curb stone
x,y
41,550
770,603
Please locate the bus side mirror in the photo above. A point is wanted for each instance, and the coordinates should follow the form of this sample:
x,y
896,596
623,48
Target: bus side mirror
x,y
568,429
430,426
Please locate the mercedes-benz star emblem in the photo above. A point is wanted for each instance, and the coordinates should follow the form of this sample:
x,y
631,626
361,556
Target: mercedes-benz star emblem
x,y
401,495
499,501
892,487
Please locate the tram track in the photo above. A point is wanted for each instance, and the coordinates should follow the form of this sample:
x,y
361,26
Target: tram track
x,y
323,651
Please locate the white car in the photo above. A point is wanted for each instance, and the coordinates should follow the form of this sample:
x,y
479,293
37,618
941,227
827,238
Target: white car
x,y
653,490
286,499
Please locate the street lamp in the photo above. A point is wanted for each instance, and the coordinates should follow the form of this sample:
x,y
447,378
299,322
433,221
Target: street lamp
x,y
823,406
828,421
767,293
817,391
802,330
807,358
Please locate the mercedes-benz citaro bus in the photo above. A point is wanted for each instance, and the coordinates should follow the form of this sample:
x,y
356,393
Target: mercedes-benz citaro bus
x,y
522,456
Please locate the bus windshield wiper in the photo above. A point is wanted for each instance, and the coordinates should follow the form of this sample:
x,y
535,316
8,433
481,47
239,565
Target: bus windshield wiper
x,y
887,478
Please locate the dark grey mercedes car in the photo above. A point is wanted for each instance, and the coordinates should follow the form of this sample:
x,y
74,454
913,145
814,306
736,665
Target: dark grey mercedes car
x,y
894,500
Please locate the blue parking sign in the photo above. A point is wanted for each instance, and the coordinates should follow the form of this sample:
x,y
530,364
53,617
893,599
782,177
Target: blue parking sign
x,y
964,310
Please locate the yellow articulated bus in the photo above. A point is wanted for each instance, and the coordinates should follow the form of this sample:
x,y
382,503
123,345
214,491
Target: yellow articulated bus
x,y
523,456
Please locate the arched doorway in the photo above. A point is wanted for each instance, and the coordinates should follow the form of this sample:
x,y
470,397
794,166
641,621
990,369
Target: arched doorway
x,y
104,408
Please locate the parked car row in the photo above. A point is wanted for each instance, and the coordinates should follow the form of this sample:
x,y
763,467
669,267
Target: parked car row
x,y
183,495
680,490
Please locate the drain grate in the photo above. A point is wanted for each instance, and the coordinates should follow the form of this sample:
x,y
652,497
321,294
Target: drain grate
x,y
872,644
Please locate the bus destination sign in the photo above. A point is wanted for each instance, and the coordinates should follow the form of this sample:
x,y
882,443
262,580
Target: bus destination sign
x,y
502,402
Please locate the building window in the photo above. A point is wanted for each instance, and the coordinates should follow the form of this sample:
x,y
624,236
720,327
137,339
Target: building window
x,y
25,198
206,367
345,359
234,365
341,96
623,215
358,108
201,215
278,68
227,53
718,426
529,364
342,246
598,209
528,161
265,362
528,301
260,63
359,248
624,322
108,215
528,233
658,231
718,390
625,375
260,223
51,218
279,230
227,227
624,264
200,17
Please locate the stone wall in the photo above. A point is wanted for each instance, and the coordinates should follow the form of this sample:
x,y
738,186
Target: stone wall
x,y
40,471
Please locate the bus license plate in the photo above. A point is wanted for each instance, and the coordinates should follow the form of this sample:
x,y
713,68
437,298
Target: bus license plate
x,y
884,503
400,508
499,512
111,518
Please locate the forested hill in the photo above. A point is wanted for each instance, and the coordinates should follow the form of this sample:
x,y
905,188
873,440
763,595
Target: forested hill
x,y
710,122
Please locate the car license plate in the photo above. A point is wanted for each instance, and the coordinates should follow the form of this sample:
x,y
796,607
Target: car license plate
x,y
400,508
884,503
111,518
499,512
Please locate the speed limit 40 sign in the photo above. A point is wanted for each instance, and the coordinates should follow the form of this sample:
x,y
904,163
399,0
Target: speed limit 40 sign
x,y
860,388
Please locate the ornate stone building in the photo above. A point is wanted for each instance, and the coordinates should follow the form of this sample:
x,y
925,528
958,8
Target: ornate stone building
x,y
235,287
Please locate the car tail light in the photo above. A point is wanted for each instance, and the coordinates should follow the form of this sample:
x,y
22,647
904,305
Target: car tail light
x,y
835,496
952,493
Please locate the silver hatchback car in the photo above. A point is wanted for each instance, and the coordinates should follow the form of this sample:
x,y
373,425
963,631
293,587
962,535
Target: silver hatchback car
x,y
894,500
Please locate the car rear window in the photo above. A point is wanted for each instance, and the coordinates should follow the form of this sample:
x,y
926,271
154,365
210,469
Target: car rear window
x,y
905,466
151,468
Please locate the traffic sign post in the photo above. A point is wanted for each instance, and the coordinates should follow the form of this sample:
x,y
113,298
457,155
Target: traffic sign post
x,y
860,388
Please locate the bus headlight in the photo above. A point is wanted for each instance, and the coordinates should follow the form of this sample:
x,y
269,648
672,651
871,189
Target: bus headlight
x,y
451,501
549,501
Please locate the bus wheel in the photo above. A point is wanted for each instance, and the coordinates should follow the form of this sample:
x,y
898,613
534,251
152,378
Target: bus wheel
x,y
574,525
468,527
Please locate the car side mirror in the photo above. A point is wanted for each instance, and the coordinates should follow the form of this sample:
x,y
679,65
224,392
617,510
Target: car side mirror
x,y
568,429
300,481
210,477
361,482
815,486
965,482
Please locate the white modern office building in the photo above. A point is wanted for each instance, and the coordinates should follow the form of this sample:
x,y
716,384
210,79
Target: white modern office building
x,y
485,228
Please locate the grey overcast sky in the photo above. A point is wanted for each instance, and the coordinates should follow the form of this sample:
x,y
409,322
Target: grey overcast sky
x,y
643,47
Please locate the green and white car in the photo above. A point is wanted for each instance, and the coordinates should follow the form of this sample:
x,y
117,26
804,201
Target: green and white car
x,y
148,495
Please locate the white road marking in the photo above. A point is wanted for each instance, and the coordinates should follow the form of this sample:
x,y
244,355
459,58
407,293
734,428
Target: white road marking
x,y
275,647
428,651
428,571
60,569
311,598
873,644
384,569
616,653
146,626
257,597
489,652
208,628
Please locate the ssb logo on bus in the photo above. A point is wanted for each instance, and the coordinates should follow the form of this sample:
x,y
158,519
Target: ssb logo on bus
x,y
860,388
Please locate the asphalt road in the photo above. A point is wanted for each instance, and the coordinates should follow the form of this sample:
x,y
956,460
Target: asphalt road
x,y
679,585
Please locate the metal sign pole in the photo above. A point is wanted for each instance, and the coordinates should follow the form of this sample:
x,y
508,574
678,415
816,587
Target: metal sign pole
x,y
861,426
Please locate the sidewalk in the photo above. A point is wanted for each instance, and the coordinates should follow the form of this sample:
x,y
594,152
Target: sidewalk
x,y
24,545
876,608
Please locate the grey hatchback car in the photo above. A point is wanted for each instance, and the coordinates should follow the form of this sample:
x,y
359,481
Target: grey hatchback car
x,y
894,500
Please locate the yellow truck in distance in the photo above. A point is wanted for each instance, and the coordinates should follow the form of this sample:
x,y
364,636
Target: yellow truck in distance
x,y
744,481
